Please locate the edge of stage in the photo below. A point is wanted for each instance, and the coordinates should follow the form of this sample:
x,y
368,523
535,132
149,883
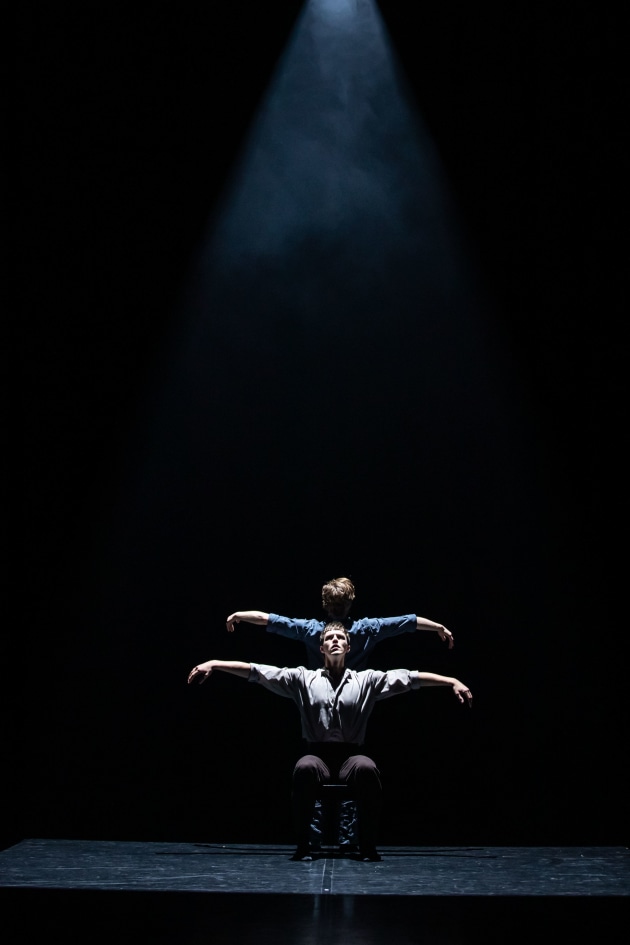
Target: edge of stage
x,y
194,892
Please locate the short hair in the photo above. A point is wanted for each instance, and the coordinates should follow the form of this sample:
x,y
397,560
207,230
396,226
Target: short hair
x,y
334,625
337,594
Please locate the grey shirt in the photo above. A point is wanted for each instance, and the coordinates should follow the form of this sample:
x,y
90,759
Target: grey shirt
x,y
329,714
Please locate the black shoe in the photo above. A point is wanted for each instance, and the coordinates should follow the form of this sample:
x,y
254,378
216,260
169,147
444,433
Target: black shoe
x,y
302,854
370,855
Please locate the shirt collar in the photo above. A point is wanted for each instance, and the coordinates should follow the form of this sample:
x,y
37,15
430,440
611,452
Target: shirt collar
x,y
324,672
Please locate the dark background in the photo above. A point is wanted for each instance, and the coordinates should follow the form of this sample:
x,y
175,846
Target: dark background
x,y
129,120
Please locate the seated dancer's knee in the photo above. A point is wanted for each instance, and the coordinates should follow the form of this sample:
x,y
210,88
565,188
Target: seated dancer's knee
x,y
362,770
309,770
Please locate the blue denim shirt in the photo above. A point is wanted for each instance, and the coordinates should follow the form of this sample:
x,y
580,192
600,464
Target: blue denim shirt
x,y
364,633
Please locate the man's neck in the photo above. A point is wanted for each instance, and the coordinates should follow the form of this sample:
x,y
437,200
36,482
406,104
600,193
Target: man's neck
x,y
341,617
335,668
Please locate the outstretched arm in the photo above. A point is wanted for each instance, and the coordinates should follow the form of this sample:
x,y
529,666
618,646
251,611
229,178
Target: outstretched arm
x,y
201,671
249,616
423,623
462,692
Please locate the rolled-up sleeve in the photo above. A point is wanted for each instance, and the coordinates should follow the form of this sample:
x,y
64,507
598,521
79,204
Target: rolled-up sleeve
x,y
394,682
284,681
295,628
383,627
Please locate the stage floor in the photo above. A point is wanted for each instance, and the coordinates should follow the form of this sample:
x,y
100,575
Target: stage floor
x,y
202,892
246,869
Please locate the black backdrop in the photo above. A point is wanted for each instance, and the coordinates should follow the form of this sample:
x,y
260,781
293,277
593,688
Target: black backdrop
x,y
128,123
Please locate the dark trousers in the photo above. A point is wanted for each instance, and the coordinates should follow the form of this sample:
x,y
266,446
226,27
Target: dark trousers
x,y
339,763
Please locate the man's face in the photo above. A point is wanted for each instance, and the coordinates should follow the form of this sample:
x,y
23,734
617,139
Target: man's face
x,y
335,643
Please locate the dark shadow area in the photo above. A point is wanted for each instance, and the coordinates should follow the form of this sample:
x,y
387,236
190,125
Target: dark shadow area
x,y
189,918
456,453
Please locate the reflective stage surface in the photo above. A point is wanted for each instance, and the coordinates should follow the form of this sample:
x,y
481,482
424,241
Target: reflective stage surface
x,y
187,892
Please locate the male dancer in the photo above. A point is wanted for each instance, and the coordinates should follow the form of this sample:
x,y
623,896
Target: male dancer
x,y
365,633
334,704
337,599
